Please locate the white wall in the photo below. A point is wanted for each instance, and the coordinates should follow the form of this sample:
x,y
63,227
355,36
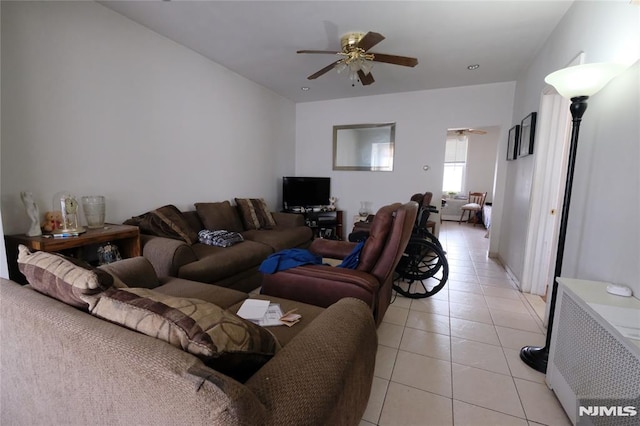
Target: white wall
x,y
481,161
94,103
422,121
603,235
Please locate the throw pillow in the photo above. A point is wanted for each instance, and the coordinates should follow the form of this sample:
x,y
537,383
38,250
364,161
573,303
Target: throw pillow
x,y
223,340
221,215
166,221
255,214
69,280
219,238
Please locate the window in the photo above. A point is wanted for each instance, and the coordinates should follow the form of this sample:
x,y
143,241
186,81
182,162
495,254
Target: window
x,y
455,164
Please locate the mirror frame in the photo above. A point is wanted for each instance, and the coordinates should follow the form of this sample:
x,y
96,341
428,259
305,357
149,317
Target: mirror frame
x,y
339,165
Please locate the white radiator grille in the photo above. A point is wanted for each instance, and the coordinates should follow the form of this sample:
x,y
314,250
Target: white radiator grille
x,y
593,362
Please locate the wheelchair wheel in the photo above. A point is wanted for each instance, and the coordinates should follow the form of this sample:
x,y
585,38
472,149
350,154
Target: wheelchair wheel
x,y
426,235
422,271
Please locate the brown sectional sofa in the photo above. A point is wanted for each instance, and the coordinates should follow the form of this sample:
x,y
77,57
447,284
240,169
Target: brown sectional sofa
x,y
61,365
234,267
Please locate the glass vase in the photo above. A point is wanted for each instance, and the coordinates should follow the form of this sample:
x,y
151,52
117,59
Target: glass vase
x,y
94,210
365,208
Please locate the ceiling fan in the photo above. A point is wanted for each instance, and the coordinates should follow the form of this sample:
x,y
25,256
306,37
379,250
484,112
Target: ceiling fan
x,y
356,58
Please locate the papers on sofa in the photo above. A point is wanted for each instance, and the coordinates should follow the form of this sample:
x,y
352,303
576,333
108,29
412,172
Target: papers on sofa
x,y
253,309
267,314
290,318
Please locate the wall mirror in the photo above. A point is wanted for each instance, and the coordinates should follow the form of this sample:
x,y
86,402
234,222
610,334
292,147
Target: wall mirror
x,y
364,147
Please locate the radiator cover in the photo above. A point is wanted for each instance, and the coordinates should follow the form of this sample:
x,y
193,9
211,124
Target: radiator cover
x,y
590,361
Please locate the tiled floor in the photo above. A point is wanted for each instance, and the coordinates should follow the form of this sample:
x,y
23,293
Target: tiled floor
x,y
452,359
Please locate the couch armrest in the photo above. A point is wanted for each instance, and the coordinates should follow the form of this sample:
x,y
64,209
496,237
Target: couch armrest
x,y
323,376
166,255
134,272
288,220
331,248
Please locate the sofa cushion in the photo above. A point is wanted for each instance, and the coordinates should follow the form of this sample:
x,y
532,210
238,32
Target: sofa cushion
x,y
220,215
63,278
217,263
226,342
285,334
281,238
255,214
221,296
166,221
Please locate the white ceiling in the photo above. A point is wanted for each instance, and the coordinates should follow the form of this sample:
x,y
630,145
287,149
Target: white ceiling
x,y
259,39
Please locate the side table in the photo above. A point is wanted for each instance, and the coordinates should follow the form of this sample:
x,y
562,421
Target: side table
x,y
126,237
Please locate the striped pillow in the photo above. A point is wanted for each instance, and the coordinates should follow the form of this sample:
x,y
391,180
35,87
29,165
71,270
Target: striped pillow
x,y
255,214
69,280
223,340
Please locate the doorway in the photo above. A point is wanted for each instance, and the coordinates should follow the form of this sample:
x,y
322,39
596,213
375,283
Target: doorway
x,y
470,165
550,172
546,193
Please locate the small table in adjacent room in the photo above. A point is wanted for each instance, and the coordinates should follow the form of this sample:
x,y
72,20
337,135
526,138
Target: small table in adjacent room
x,y
125,237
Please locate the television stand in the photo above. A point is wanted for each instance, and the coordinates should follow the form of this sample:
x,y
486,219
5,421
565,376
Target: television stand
x,y
325,224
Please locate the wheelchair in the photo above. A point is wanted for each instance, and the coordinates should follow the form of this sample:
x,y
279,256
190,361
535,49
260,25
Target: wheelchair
x,y
423,269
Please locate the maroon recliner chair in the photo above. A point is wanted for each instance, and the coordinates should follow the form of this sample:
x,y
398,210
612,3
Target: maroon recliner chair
x,y
371,281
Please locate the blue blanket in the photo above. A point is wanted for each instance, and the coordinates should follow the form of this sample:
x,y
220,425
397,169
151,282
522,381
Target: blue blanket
x,y
290,258
287,259
352,260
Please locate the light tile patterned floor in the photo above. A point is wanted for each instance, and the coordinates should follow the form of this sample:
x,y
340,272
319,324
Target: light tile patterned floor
x,y
453,358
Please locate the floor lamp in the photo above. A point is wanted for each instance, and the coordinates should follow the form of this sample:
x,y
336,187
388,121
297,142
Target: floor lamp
x,y
576,83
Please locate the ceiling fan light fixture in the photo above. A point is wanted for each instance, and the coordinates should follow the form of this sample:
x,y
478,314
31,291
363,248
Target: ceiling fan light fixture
x,y
341,66
366,67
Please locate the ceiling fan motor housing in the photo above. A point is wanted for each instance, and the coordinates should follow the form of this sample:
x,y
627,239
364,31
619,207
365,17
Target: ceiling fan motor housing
x,y
350,40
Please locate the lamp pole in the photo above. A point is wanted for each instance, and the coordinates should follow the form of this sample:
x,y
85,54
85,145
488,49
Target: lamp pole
x,y
534,356
576,83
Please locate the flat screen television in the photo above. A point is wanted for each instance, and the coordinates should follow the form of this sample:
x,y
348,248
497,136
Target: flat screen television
x,y
305,192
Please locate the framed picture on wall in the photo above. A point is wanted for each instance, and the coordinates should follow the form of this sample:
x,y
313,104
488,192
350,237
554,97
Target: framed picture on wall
x,y
527,134
512,145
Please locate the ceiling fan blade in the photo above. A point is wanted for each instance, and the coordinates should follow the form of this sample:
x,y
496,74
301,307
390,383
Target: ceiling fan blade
x,y
405,61
333,52
365,79
369,40
323,70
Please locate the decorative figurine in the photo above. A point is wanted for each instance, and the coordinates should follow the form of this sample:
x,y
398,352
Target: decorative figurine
x,y
52,221
332,203
108,253
33,212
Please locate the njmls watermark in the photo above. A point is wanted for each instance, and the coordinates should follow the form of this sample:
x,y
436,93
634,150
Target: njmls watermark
x,y
602,410
609,411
